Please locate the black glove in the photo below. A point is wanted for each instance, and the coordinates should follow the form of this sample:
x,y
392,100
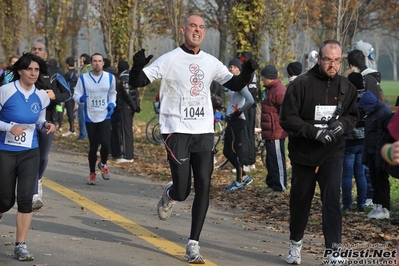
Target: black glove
x,y
336,127
139,59
325,136
249,67
235,115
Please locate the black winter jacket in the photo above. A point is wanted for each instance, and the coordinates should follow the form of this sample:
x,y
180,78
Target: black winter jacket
x,y
297,116
61,93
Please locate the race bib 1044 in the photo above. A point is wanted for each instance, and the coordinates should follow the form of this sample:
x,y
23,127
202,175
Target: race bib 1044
x,y
192,108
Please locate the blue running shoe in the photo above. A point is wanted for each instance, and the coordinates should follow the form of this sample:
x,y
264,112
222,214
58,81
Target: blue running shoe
x,y
246,180
235,186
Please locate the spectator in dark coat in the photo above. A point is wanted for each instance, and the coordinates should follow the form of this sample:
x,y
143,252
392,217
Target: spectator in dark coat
x,y
375,111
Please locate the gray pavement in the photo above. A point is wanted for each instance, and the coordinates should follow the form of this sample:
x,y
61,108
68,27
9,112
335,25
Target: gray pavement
x,y
115,223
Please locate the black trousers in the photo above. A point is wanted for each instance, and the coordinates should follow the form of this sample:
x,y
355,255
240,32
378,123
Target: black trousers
x,y
70,106
380,181
303,185
116,135
127,133
276,177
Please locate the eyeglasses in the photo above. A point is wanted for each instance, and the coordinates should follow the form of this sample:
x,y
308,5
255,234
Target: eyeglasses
x,y
329,61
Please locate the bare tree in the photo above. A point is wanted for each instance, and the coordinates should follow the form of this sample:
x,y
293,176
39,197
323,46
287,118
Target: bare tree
x,y
12,27
391,49
217,16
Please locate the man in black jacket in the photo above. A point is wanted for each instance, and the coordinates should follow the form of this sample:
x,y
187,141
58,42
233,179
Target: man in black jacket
x,y
58,93
316,116
129,103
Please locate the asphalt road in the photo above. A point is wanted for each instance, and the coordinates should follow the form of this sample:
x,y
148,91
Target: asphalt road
x,y
115,223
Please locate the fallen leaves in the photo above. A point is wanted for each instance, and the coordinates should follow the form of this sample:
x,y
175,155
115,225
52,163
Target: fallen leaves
x,y
250,205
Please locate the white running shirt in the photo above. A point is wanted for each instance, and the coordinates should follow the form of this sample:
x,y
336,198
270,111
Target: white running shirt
x,y
185,96
100,91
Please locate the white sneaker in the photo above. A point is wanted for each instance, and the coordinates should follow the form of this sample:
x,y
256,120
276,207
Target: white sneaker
x,y
376,209
381,214
193,255
68,134
369,202
294,254
37,202
165,204
123,160
247,168
336,260
252,167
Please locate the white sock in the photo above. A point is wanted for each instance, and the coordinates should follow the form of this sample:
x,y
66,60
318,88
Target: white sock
x,y
192,242
297,243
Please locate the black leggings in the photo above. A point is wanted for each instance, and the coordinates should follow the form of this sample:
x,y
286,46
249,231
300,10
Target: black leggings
x,y
198,149
233,141
98,133
22,166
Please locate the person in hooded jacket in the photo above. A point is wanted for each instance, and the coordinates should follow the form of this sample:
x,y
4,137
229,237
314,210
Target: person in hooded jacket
x,y
375,110
315,117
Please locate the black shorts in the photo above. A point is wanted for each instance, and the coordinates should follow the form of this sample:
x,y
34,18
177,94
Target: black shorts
x,y
179,146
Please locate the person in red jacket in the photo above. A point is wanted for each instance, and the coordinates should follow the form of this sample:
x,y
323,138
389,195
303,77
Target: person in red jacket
x,y
272,132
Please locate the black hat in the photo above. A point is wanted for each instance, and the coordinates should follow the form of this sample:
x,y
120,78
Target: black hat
x,y
356,79
122,66
294,69
235,62
107,63
269,72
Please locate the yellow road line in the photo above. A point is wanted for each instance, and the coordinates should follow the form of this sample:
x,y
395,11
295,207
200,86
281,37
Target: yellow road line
x,y
137,230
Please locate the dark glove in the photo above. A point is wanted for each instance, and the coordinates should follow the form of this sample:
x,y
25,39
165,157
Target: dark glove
x,y
110,108
235,115
249,67
83,98
336,127
325,136
139,59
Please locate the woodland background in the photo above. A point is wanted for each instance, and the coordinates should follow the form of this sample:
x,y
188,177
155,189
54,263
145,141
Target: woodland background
x,y
276,31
